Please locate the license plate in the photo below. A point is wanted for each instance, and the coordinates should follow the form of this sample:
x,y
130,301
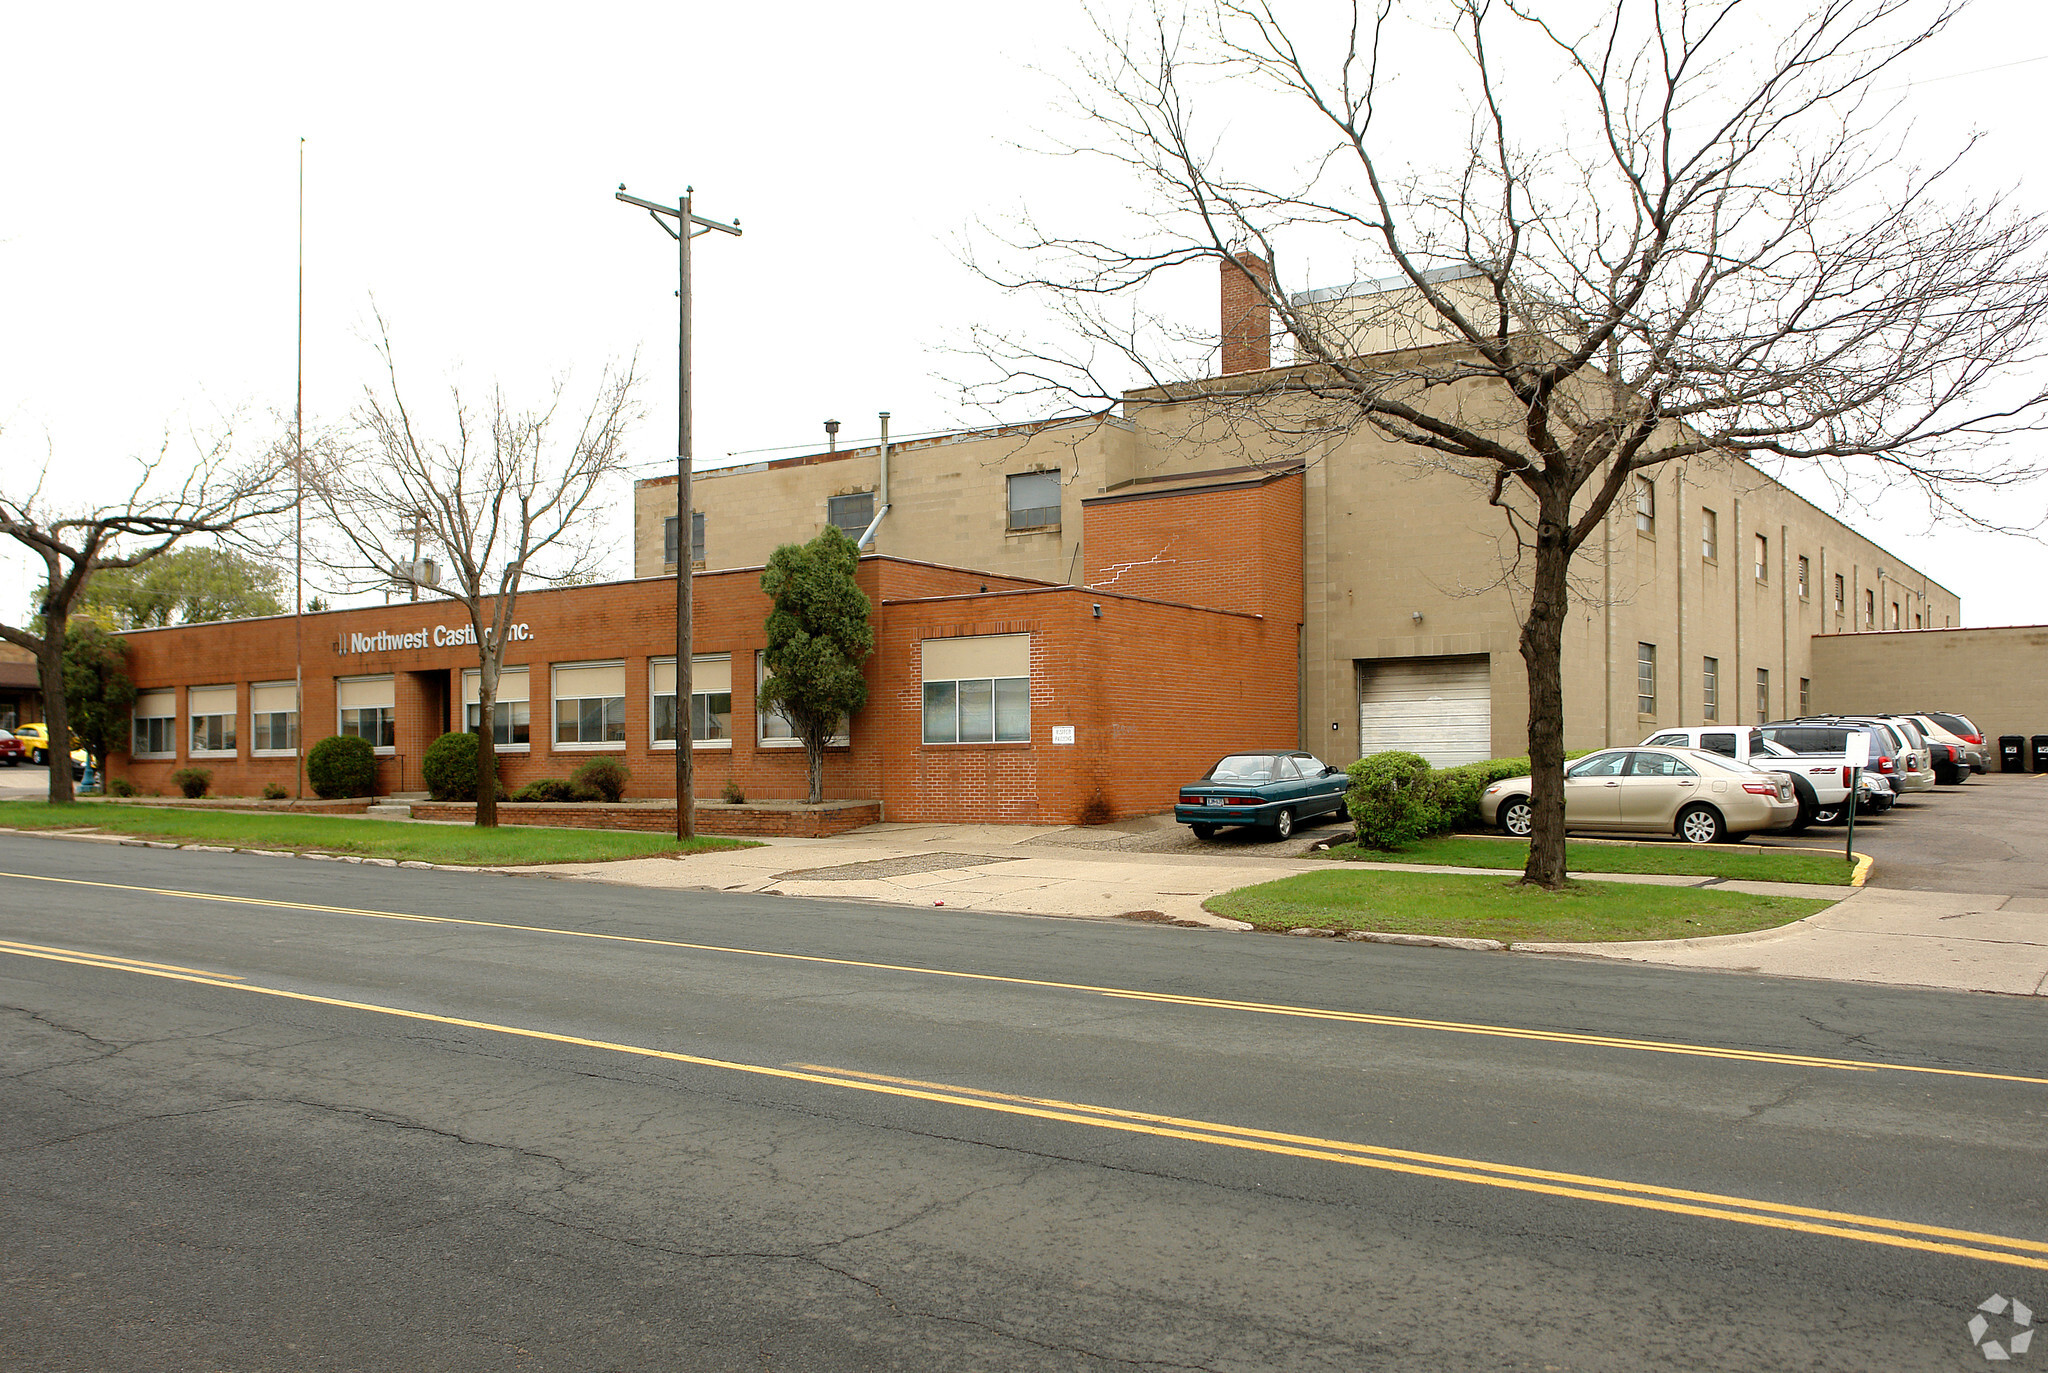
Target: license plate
x,y
1213,800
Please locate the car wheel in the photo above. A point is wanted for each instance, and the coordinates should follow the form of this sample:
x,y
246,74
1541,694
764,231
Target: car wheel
x,y
1517,816
1700,825
1283,823
36,757
1203,831
1808,806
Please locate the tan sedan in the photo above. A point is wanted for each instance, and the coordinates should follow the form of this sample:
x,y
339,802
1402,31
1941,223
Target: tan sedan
x,y
1701,797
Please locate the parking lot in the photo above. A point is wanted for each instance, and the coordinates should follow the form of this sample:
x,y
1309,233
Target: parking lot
x,y
1988,835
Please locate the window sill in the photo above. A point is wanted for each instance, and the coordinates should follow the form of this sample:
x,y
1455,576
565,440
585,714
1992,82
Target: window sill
x,y
797,744
669,745
390,751
273,753
612,746
214,753
979,743
502,749
152,757
1033,529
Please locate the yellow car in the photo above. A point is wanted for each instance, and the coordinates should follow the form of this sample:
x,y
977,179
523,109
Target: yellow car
x,y
36,739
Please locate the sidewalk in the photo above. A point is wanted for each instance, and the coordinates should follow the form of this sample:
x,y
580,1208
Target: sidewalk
x,y
1947,940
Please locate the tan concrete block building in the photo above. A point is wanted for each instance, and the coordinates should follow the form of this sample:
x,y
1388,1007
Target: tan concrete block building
x,y
1698,602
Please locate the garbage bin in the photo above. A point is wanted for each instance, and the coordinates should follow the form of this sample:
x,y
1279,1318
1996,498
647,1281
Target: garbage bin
x,y
2012,753
2041,753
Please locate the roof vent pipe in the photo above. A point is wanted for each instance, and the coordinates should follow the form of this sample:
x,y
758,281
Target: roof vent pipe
x,y
831,436
881,489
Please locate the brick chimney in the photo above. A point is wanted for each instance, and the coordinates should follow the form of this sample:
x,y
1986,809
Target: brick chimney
x,y
1247,319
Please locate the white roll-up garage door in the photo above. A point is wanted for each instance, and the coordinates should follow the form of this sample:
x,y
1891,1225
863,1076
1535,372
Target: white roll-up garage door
x,y
1441,708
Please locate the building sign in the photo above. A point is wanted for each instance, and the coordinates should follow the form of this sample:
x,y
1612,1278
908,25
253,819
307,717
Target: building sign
x,y
1063,734
440,636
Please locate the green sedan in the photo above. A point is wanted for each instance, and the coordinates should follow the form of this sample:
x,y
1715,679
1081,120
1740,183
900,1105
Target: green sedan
x,y
1277,788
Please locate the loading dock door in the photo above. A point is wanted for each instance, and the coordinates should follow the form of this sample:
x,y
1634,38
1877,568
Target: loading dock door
x,y
1441,708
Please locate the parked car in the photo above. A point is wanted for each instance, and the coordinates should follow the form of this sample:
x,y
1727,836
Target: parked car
x,y
1701,797
36,739
1277,788
1820,783
11,750
1916,764
1890,758
1964,756
1960,726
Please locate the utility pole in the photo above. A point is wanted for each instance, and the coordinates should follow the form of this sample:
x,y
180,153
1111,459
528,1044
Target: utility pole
x,y
687,226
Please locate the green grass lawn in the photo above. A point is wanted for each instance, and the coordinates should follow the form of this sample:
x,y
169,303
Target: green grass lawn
x,y
1495,908
511,844
1754,865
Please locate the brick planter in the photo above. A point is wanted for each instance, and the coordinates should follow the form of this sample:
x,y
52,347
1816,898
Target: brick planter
x,y
770,819
312,805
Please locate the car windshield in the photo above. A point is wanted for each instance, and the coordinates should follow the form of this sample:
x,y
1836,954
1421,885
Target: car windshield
x,y
1243,767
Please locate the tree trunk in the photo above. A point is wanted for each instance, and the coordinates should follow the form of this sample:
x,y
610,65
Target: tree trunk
x,y
50,663
814,762
1542,656
486,746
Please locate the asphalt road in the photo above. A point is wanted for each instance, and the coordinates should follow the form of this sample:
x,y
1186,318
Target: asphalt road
x,y
273,1114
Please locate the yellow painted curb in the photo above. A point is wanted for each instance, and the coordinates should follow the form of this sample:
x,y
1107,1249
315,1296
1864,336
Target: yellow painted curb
x,y
1864,862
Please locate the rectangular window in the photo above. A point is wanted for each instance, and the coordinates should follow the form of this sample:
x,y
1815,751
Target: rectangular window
x,y
853,513
273,718
1806,696
710,700
1838,593
590,704
977,689
1895,614
213,719
156,725
1916,620
668,538
773,729
1763,695
1804,590
1646,679
366,707
1709,535
511,712
1646,506
1035,500
1710,689
1763,558
1869,609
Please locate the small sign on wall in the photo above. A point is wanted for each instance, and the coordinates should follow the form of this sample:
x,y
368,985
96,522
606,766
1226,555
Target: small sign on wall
x,y
1063,734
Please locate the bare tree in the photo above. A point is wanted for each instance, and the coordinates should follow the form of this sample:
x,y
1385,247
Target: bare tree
x,y
217,495
502,494
1671,228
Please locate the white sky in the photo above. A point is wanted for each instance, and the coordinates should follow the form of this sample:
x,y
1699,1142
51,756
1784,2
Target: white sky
x,y
460,166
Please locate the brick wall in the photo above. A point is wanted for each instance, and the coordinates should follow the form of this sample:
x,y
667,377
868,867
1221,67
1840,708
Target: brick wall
x,y
1154,692
1235,546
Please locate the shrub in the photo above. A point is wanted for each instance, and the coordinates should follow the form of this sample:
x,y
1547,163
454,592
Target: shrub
x,y
732,795
120,786
545,789
192,781
342,765
600,779
449,767
273,792
1389,799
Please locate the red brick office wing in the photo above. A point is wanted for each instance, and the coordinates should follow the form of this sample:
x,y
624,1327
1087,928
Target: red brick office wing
x,y
1153,692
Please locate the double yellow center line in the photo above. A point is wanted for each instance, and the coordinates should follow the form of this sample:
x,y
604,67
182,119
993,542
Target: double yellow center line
x,y
1898,1234
1399,1022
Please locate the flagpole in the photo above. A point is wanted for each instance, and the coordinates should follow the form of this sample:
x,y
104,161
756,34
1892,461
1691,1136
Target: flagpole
x,y
299,514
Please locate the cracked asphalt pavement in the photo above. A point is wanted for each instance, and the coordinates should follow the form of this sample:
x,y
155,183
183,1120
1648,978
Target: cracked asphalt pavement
x,y
258,1114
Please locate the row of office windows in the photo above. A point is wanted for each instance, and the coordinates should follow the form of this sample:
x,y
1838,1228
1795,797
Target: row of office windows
x,y
976,690
1710,687
1646,523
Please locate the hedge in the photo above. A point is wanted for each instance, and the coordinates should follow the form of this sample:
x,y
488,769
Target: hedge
x,y
342,765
